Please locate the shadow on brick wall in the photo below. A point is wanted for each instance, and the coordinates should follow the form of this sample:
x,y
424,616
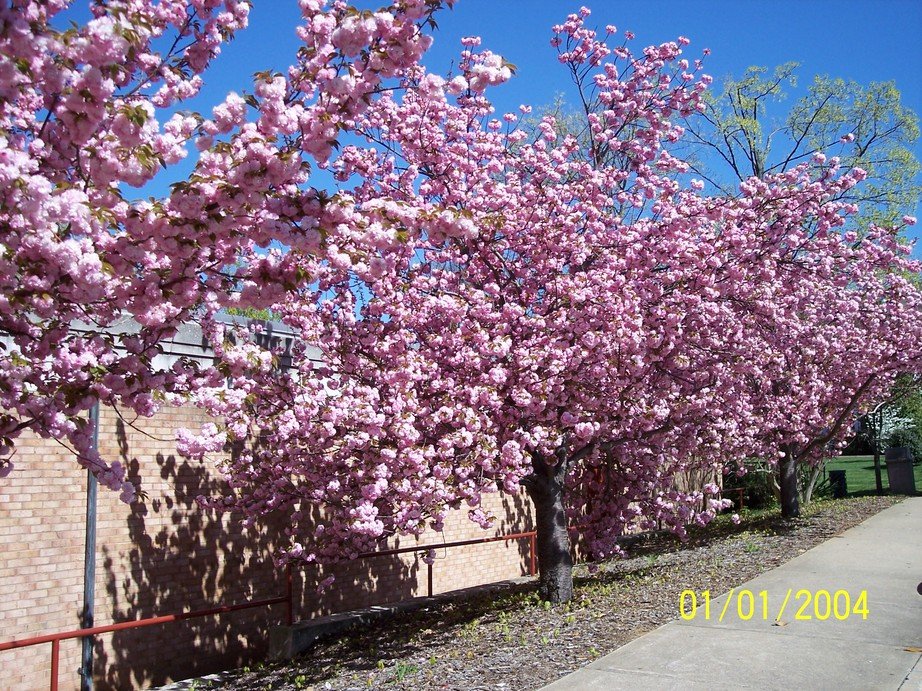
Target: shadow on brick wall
x,y
517,519
171,556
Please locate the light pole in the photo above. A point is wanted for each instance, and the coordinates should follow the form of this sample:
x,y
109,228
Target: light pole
x,y
89,564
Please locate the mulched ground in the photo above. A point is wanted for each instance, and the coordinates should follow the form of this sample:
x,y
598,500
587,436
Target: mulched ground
x,y
511,640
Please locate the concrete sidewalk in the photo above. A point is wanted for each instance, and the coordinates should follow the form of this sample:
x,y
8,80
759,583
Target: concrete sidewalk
x,y
882,556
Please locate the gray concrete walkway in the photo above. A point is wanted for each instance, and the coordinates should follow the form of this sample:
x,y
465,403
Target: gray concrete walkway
x,y
882,556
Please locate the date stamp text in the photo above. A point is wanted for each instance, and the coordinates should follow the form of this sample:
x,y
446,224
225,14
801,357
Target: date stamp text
x,y
799,605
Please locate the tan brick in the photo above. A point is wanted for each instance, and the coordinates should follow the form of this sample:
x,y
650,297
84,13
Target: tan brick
x,y
149,563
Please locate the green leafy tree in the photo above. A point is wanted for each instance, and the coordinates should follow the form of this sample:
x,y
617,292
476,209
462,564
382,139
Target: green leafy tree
x,y
745,130
262,313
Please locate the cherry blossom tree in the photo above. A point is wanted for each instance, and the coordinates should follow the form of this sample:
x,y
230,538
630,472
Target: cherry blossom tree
x,y
497,310
868,129
91,281
830,318
844,327
486,320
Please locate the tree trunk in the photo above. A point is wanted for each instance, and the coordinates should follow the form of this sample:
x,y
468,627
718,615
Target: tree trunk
x,y
790,507
811,484
878,480
555,564
878,424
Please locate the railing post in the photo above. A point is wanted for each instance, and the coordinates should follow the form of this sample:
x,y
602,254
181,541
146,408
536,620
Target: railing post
x,y
289,592
429,578
55,650
532,554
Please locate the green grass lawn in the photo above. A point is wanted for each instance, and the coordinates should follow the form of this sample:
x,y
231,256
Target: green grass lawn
x,y
859,473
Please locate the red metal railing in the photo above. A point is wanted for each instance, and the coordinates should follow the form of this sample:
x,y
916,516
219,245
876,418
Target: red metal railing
x,y
288,599
531,535
56,638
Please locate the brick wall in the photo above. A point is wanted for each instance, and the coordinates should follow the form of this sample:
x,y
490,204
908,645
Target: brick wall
x,y
164,555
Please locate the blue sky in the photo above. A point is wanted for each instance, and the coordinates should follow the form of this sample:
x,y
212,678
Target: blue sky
x,y
864,40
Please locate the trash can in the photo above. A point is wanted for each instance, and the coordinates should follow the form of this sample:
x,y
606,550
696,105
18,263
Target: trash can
x,y
900,473
838,484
